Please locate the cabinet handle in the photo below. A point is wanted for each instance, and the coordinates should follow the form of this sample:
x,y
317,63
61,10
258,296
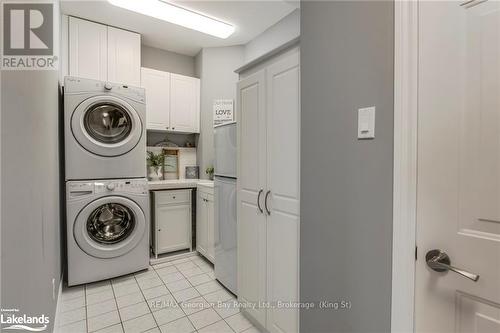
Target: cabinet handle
x,y
258,201
173,128
265,202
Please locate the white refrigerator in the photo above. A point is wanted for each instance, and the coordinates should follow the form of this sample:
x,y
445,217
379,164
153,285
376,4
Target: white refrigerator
x,y
225,205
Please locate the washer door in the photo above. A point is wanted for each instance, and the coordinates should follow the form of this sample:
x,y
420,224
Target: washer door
x,y
106,126
109,227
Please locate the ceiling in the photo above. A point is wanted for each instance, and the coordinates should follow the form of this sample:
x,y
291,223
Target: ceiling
x,y
250,18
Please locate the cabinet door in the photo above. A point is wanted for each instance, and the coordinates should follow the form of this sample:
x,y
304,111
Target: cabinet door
x,y
157,85
124,57
184,103
173,224
210,228
251,181
88,49
201,224
283,174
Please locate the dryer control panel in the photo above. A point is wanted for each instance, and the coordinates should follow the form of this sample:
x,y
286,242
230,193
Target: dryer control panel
x,y
117,186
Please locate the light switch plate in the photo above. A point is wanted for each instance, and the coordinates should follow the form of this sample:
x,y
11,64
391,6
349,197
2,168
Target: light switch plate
x,y
366,123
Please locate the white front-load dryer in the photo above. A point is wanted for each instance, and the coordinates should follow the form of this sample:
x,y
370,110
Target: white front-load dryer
x,y
107,228
104,130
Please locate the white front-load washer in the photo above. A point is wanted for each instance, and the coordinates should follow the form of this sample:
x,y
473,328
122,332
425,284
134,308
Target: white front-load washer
x,y
107,228
104,130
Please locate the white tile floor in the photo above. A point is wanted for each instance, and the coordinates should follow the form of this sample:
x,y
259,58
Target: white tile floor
x,y
175,297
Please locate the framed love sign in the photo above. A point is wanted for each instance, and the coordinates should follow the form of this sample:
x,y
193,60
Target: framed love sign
x,y
223,111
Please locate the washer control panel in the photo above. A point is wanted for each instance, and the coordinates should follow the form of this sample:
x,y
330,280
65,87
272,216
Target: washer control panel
x,y
80,85
123,186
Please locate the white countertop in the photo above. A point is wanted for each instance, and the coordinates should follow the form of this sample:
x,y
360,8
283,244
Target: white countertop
x,y
178,183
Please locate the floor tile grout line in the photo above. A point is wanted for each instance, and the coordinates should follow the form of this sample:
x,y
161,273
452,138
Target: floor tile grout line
x,y
86,317
117,308
151,310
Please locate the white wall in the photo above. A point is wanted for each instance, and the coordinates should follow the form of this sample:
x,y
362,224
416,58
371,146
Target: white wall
x,y
283,31
215,67
31,216
30,133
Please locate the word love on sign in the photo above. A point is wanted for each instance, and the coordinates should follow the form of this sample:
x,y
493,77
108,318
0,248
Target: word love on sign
x,y
223,111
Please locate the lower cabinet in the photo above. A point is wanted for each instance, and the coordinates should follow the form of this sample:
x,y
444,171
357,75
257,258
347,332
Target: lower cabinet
x,y
205,243
172,220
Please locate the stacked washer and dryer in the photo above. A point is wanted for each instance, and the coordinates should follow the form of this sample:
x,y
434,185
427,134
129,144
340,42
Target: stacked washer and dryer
x,y
107,201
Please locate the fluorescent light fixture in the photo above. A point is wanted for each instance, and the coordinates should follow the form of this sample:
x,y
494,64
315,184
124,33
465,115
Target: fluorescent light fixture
x,y
177,15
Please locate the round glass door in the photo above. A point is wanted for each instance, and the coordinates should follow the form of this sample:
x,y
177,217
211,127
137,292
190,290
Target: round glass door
x,y
106,126
107,123
110,223
109,227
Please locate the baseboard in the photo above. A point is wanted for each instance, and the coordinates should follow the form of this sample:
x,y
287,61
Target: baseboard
x,y
167,258
58,306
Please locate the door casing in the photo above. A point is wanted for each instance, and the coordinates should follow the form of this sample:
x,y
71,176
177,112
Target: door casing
x,y
405,165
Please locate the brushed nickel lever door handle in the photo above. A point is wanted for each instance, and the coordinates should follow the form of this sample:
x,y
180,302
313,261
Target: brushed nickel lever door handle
x,y
439,261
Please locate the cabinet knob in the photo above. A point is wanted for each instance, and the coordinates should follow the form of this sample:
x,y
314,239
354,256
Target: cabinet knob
x,y
167,127
173,128
173,197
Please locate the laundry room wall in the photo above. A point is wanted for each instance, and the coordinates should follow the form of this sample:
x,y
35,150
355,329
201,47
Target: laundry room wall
x,y
215,67
285,30
30,192
347,61
167,61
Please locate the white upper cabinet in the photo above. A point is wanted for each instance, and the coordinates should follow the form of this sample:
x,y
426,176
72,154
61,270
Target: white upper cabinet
x,y
88,49
172,101
157,85
124,57
184,103
104,53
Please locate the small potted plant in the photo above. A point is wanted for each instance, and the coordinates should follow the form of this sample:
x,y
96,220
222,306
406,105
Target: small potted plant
x,y
155,165
210,172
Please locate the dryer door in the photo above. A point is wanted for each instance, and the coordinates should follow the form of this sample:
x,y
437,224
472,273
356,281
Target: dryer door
x,y
109,227
106,126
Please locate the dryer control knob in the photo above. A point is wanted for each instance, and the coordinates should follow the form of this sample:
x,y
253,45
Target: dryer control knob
x,y
110,186
108,86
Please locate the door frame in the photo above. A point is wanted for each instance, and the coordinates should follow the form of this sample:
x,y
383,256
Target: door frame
x,y
405,164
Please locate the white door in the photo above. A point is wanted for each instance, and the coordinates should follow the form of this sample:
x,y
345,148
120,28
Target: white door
x,y
184,103
157,85
174,227
458,196
251,184
88,49
283,179
201,223
124,57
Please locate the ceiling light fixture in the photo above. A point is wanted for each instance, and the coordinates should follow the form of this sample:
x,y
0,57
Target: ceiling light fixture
x,y
177,15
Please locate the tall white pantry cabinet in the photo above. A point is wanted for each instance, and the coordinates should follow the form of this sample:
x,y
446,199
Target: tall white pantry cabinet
x,y
268,97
